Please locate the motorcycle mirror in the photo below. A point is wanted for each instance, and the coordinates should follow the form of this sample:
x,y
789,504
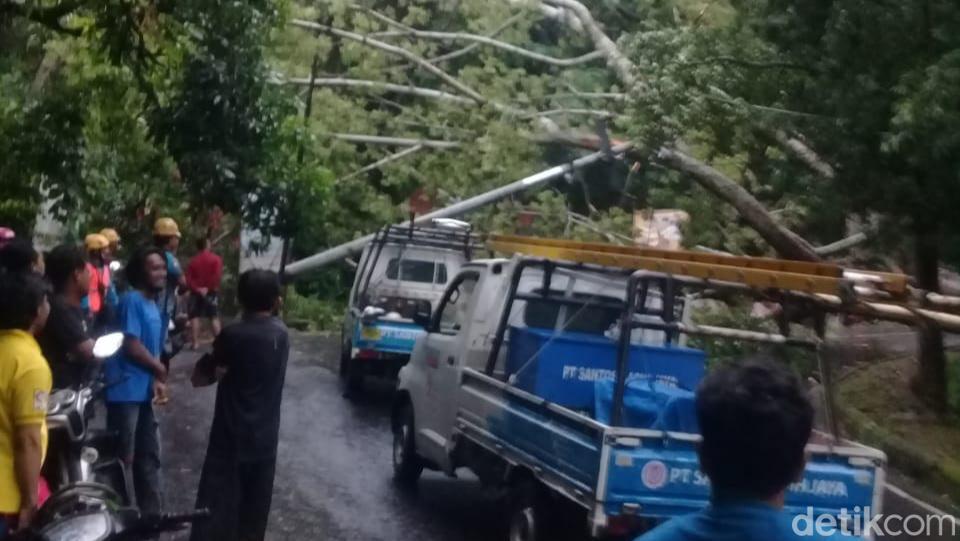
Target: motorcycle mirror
x,y
115,266
107,345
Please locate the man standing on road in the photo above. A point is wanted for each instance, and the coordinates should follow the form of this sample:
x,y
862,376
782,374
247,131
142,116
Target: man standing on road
x,y
25,390
166,236
136,377
65,340
203,278
97,303
251,355
749,469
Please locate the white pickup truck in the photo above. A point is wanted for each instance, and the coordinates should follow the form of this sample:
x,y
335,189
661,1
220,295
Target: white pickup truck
x,y
521,377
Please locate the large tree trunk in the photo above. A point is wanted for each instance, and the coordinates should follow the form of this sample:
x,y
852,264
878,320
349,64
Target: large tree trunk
x,y
930,381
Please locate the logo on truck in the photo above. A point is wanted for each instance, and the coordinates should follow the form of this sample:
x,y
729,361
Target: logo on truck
x,y
654,475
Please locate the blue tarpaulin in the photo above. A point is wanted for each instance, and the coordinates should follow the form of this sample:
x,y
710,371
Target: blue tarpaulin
x,y
648,403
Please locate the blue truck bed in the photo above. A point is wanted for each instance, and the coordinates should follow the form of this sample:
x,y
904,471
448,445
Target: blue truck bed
x,y
616,472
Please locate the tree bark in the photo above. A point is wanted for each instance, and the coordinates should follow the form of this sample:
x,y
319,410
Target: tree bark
x,y
930,381
784,241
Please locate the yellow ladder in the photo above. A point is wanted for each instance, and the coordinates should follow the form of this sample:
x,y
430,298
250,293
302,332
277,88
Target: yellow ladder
x,y
757,272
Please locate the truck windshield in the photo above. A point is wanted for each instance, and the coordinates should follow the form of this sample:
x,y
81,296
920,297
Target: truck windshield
x,y
415,270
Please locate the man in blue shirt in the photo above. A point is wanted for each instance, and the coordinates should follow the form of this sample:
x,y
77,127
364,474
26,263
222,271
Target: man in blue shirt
x,y
755,420
166,236
136,376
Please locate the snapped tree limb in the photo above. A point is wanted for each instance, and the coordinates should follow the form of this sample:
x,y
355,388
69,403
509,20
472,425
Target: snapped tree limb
x,y
393,141
379,85
383,161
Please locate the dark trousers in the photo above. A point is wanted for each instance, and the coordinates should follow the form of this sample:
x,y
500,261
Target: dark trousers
x,y
139,435
238,495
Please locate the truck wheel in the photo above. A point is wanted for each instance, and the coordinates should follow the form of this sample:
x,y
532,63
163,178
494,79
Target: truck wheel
x,y
529,517
345,348
407,466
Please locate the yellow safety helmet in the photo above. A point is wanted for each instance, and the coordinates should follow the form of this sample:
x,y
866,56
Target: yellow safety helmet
x,y
111,234
166,227
95,241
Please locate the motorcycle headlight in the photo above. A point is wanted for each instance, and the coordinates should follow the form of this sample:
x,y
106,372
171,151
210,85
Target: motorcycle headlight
x,y
88,527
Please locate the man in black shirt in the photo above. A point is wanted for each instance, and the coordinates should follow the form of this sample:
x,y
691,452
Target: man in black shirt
x,y
65,341
250,361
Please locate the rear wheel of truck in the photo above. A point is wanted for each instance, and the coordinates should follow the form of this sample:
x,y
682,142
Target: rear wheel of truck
x,y
345,348
529,513
407,465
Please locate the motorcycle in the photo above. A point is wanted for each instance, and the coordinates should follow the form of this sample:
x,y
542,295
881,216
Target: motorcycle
x,y
78,453
93,512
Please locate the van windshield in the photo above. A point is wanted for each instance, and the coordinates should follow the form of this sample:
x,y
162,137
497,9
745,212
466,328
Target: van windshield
x,y
416,270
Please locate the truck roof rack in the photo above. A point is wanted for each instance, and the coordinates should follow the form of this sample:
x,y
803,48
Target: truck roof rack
x,y
461,240
755,272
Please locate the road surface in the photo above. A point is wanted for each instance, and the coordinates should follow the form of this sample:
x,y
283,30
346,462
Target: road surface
x,y
333,473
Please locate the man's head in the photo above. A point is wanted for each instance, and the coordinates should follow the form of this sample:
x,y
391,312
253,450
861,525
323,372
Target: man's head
x,y
203,243
25,305
19,256
755,419
259,290
67,269
166,234
147,270
113,238
97,247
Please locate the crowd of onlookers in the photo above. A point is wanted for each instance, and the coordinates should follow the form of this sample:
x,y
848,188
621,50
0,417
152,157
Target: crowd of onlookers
x,y
54,305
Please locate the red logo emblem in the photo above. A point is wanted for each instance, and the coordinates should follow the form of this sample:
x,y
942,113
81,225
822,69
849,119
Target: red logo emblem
x,y
654,475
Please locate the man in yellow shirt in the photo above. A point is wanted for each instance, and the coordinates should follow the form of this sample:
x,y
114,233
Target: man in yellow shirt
x,y
24,390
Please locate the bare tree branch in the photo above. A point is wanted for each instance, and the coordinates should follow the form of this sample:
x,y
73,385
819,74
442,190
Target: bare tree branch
x,y
484,40
394,50
622,65
589,112
842,244
800,151
382,18
466,50
383,161
378,85
782,239
393,141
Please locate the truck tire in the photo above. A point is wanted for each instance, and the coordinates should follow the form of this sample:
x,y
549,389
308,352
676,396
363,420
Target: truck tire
x,y
345,347
407,465
529,513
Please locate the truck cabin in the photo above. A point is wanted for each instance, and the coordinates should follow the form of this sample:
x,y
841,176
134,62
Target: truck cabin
x,y
405,271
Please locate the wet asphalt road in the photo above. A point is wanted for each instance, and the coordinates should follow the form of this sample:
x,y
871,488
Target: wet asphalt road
x,y
333,470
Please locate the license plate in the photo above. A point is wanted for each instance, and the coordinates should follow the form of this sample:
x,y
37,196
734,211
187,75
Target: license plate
x,y
370,333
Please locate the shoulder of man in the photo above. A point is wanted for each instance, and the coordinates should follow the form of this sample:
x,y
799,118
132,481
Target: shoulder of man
x,y
675,529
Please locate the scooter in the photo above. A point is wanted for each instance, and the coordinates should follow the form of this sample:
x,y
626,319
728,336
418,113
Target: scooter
x,y
93,512
78,453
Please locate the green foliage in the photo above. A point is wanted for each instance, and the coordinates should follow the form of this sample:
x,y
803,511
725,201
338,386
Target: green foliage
x,y
722,351
312,314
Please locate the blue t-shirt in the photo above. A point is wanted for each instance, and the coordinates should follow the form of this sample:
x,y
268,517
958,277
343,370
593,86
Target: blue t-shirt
x,y
128,380
737,521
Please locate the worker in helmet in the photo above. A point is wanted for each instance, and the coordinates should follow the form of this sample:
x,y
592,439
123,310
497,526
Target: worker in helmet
x,y
166,236
112,258
114,238
100,304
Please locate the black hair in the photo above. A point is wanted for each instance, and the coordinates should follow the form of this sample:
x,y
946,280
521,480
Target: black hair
x,y
202,243
62,262
161,241
22,294
18,255
258,290
136,269
756,420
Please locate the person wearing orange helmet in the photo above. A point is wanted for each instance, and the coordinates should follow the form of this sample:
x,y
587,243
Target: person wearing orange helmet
x,y
166,236
113,251
100,304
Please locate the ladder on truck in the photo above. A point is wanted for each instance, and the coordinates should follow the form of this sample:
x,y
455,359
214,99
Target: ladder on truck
x,y
755,272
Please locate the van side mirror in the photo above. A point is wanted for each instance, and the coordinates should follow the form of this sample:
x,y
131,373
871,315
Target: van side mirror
x,y
423,319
